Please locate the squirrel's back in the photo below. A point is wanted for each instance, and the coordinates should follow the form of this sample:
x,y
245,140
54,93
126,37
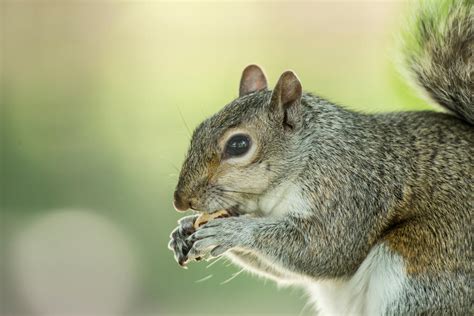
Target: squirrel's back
x,y
438,53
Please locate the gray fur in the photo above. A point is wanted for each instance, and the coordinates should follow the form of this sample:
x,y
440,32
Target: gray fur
x,y
402,180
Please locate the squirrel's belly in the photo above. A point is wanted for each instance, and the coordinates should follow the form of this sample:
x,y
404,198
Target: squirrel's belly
x,y
375,286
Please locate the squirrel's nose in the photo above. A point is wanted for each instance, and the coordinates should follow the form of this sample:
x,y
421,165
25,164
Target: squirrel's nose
x,y
180,203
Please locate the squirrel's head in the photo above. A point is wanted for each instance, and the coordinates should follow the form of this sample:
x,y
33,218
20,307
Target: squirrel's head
x,y
242,151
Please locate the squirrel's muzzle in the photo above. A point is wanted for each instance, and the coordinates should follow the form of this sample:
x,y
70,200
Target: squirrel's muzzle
x,y
181,204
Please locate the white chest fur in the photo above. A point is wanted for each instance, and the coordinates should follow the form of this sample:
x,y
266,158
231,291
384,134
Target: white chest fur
x,y
376,284
283,199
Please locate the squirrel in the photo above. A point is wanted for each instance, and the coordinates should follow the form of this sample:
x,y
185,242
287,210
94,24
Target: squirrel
x,y
370,213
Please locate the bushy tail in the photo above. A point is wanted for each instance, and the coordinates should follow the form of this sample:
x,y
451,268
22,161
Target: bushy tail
x,y
438,53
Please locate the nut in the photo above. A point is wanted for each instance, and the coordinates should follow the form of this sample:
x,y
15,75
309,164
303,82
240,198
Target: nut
x,y
206,217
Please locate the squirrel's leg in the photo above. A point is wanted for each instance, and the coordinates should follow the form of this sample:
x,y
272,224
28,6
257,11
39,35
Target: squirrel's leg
x,y
290,242
251,261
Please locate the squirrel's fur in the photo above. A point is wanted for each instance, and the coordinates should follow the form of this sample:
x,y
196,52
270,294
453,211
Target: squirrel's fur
x,y
371,213
438,53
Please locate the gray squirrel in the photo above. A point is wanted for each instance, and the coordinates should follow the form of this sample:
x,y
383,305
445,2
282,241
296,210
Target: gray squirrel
x,y
371,213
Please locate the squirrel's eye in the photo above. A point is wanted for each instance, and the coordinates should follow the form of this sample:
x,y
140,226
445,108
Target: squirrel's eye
x,y
237,146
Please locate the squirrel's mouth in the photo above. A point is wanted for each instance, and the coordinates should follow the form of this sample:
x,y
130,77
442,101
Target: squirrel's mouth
x,y
205,217
230,212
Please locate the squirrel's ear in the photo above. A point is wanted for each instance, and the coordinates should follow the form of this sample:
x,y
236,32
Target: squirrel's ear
x,y
253,79
286,99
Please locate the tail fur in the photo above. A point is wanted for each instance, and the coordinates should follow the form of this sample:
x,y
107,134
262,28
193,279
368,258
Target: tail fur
x,y
438,53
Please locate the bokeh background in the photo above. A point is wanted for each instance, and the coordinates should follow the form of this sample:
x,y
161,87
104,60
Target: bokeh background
x,y
97,100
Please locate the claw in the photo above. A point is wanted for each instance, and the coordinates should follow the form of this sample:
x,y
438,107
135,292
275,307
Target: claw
x,y
178,243
183,262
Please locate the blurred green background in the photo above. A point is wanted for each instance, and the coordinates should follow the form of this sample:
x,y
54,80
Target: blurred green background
x,y
96,97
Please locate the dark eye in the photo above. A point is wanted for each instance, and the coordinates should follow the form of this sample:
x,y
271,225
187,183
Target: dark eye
x,y
237,145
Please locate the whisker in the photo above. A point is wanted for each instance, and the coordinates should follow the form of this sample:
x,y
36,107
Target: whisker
x,y
170,162
234,191
219,201
232,277
227,198
214,262
184,122
250,193
305,307
203,279
233,199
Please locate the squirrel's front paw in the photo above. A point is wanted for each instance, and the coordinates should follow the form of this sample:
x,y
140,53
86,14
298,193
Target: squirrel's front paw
x,y
220,235
179,243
